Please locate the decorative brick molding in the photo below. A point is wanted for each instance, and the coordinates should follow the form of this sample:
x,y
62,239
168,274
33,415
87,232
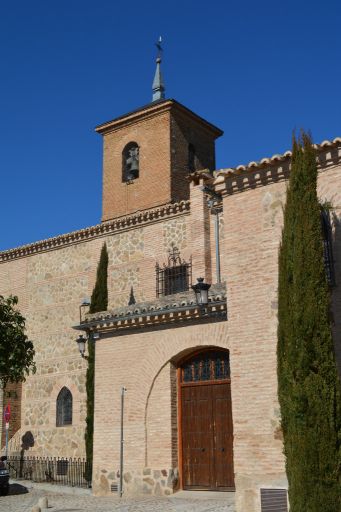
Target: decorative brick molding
x,y
99,230
275,159
151,110
166,310
265,171
272,170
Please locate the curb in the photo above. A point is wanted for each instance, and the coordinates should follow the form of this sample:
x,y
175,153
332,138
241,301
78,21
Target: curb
x,y
51,488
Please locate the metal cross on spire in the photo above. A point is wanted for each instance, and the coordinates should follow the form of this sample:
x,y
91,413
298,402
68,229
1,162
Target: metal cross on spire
x,y
159,47
158,85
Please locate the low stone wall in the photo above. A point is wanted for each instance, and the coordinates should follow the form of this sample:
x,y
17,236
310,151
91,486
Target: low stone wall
x,y
157,482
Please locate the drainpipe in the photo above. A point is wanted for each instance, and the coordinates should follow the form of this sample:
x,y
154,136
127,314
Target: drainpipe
x,y
217,243
214,204
123,390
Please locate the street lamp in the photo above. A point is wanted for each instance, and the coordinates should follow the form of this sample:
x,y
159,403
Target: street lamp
x,y
84,304
201,292
81,342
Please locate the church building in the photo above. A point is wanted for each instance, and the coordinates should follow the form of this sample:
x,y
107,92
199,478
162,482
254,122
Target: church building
x,y
196,366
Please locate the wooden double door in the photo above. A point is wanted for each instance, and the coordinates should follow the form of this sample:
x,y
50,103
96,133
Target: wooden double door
x,y
207,436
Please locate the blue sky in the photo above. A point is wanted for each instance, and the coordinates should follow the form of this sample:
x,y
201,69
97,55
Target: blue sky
x,y
256,69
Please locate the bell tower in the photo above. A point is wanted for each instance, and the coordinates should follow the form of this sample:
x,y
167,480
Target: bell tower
x,y
148,153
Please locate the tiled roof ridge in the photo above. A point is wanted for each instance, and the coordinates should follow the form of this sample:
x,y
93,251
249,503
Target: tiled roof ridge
x,y
263,162
217,292
119,223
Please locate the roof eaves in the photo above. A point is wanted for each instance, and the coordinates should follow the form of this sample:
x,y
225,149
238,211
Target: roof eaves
x,y
264,162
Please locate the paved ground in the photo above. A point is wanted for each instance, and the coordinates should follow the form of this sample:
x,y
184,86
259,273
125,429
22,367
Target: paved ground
x,y
23,498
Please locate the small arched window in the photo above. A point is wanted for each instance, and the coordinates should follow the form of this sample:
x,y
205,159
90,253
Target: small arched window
x,y
64,408
130,162
191,158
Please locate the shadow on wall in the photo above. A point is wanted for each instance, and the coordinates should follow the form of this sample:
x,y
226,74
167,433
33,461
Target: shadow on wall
x,y
27,443
336,290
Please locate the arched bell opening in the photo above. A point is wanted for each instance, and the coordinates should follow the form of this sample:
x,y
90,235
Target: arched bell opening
x,y
205,421
130,162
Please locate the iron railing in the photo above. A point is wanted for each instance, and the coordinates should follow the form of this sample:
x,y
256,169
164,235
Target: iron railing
x,y
59,471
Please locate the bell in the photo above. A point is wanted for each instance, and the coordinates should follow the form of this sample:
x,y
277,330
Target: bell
x,y
131,175
134,165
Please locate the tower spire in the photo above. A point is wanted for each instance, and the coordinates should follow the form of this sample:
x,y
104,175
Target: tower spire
x,y
158,85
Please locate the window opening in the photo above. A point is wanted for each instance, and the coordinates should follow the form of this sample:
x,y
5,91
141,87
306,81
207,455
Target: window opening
x,y
206,366
175,276
64,408
130,162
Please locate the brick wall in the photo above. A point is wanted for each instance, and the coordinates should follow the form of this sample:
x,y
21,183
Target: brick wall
x,y
253,219
184,133
163,133
12,395
143,364
152,187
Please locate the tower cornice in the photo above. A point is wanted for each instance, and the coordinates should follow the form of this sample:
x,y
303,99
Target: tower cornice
x,y
152,109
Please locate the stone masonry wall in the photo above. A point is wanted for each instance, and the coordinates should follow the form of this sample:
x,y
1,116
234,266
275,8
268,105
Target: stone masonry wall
x,y
51,285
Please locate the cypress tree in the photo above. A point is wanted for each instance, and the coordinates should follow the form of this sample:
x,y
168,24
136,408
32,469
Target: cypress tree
x,y
99,302
308,381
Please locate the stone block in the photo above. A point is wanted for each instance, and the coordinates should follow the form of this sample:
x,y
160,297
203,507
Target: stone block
x,y
43,502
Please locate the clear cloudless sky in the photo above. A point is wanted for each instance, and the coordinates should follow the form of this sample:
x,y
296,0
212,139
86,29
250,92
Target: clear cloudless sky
x,y
257,69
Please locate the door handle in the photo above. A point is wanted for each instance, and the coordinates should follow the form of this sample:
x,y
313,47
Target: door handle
x,y
202,449
223,449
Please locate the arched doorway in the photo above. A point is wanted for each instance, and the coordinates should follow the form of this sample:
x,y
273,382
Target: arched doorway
x,y
205,421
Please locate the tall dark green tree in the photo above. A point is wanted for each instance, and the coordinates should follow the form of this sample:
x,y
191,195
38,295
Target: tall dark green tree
x,y
308,381
99,302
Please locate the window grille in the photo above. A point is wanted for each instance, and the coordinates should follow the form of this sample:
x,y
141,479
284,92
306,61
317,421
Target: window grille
x,y
64,408
274,500
327,246
175,276
211,365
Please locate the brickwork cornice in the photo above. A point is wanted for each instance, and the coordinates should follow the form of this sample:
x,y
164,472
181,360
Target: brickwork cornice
x,y
151,110
172,309
113,226
266,170
270,170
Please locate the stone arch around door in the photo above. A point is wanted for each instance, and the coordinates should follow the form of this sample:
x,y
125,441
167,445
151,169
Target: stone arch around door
x,y
205,440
